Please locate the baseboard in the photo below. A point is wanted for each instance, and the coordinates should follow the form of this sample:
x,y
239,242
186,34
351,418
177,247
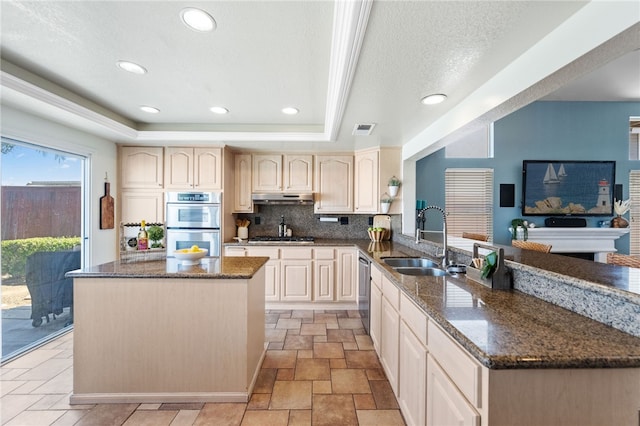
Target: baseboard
x,y
157,398
312,305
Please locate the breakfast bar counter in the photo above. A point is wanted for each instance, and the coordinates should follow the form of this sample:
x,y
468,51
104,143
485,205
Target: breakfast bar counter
x,y
161,331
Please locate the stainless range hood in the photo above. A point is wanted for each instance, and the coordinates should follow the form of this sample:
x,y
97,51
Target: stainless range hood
x,y
283,198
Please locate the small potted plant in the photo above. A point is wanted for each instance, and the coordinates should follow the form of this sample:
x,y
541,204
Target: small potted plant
x,y
156,234
394,184
518,223
385,203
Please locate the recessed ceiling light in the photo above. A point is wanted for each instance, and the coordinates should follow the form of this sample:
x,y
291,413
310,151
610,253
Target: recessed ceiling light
x,y
197,19
131,67
150,109
433,99
219,110
290,111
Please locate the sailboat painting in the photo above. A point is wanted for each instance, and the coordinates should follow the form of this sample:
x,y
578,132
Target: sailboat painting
x,y
567,187
550,176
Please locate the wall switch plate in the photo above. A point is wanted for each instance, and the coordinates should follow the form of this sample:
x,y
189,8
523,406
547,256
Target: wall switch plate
x,y
370,220
256,220
344,220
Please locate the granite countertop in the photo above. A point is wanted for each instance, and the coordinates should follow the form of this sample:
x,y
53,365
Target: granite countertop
x,y
207,268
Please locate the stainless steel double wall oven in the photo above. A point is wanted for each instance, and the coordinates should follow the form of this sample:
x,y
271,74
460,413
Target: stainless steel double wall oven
x,y
193,218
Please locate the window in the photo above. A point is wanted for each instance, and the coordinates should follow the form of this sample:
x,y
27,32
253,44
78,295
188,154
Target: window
x,y
634,138
469,201
634,214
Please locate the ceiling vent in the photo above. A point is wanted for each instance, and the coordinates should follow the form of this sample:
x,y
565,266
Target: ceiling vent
x,y
363,129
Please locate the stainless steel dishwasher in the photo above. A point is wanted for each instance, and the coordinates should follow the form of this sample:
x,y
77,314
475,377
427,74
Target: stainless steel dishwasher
x,y
364,290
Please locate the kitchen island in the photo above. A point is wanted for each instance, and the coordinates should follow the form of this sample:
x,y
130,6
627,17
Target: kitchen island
x,y
161,331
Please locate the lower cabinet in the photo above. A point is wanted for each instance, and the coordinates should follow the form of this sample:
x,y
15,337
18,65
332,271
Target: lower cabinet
x,y
375,308
390,332
347,290
296,280
271,269
324,274
445,403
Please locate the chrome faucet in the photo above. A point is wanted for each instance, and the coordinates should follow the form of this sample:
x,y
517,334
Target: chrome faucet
x,y
419,232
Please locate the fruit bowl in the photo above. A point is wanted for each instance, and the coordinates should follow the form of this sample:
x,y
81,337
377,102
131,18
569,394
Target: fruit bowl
x,y
377,235
190,256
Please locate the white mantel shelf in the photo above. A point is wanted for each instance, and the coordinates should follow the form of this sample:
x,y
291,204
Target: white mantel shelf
x,y
599,241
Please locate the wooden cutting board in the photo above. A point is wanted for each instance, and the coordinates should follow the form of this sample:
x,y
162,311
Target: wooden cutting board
x,y
106,208
383,221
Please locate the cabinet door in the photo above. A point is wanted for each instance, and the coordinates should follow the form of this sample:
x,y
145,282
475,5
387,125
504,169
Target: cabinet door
x,y
271,269
138,205
347,275
445,404
390,335
295,280
298,173
334,180
141,167
267,172
242,184
375,315
323,279
207,168
178,168
412,377
366,183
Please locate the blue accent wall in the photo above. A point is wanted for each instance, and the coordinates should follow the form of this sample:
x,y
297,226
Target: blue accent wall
x,y
541,131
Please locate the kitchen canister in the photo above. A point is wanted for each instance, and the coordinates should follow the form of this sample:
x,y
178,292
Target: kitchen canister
x,y
243,232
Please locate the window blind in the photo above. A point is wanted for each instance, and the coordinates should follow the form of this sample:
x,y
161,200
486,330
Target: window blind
x,y
634,213
469,201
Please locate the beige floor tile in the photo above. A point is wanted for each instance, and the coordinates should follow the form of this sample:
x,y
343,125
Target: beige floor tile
x,y
322,386
285,315
271,318
338,363
151,418
299,417
298,342
348,380
362,359
350,323
305,353
259,401
320,339
313,329
266,379
305,314
376,374
280,359
289,323
383,395
12,405
286,374
332,326
35,418
26,387
181,406
364,401
364,342
325,318
341,336
293,331
380,418
63,404
275,346
185,418
264,418
11,373
148,406
312,369
328,350
33,359
47,402
332,410
350,346
269,326
275,335
291,395
353,314
70,417
107,414
47,370
11,386
61,383
220,414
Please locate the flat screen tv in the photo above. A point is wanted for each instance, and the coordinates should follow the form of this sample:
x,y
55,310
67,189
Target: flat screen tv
x,y
562,188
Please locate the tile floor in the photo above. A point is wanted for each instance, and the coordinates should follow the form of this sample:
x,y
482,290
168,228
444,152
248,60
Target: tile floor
x,y
320,369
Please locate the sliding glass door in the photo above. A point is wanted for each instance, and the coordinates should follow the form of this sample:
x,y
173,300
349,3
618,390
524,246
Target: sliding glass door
x,y
41,221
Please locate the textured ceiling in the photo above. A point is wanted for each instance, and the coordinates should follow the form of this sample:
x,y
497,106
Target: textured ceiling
x,y
265,55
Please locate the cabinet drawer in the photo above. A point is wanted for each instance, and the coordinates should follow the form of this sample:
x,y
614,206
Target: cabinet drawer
x,y
376,276
324,254
235,251
270,252
414,317
297,253
391,293
460,367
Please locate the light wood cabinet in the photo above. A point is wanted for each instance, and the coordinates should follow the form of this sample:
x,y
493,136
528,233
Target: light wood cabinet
x,y
334,183
375,307
193,168
296,274
445,404
138,205
242,174
278,173
366,182
347,278
271,269
324,275
141,167
412,374
390,332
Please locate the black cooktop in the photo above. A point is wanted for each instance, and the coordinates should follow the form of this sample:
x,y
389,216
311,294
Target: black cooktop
x,y
266,238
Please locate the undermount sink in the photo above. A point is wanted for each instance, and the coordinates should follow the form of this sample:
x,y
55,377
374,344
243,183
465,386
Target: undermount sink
x,y
410,262
432,272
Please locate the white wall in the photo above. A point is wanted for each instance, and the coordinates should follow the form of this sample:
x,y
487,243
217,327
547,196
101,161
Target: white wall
x,y
102,158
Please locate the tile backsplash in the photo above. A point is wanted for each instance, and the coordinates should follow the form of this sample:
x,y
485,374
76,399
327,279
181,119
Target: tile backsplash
x,y
303,222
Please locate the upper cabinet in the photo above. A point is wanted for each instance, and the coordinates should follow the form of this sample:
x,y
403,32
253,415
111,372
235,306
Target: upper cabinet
x,y
193,168
282,173
141,167
334,183
367,189
242,184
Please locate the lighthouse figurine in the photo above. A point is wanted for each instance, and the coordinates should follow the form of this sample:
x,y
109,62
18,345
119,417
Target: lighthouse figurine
x,y
604,200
